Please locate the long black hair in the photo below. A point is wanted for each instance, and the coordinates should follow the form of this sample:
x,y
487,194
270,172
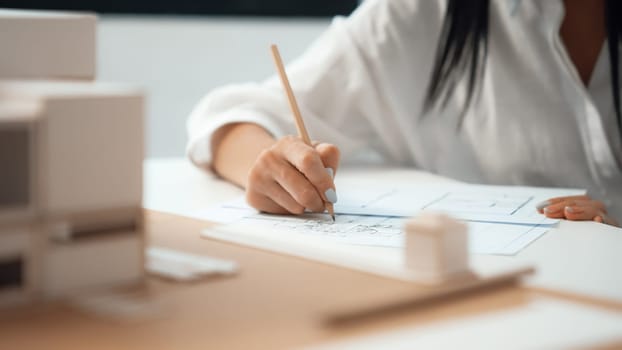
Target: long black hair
x,y
463,48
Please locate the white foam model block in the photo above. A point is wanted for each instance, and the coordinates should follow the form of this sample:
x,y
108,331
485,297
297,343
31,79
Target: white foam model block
x,y
90,250
17,265
436,247
89,144
92,263
181,266
17,148
47,45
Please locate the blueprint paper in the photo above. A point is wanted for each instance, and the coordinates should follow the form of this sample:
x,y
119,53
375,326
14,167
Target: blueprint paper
x,y
502,204
502,220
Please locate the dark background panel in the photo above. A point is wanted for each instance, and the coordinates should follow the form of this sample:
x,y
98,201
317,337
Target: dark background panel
x,y
310,8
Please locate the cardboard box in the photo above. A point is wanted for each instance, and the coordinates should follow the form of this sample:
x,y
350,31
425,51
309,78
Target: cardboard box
x,y
47,45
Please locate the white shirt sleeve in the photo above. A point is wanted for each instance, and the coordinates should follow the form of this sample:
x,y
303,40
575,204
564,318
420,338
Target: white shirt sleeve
x,y
347,84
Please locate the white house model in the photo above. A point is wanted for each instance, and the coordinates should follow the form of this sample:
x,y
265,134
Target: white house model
x,y
70,166
436,247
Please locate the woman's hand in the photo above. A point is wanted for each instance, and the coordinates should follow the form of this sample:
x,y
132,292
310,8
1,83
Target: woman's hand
x,y
576,208
291,176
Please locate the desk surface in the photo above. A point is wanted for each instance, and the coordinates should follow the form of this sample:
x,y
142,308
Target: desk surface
x,y
275,302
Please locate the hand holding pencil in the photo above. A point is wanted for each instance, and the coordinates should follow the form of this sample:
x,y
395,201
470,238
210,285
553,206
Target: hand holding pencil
x,y
293,174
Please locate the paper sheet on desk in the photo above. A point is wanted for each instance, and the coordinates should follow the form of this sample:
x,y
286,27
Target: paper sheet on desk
x,y
492,206
484,238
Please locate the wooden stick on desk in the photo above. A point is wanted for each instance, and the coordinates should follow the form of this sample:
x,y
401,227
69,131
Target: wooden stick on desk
x,y
300,125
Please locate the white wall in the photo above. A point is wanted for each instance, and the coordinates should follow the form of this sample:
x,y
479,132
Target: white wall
x,y
178,59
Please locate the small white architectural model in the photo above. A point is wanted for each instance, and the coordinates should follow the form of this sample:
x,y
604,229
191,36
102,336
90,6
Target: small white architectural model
x,y
436,247
71,157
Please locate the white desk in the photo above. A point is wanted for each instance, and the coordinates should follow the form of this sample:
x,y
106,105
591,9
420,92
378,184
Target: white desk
x,y
578,257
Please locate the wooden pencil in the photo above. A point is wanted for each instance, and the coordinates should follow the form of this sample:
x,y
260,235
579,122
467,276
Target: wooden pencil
x,y
300,125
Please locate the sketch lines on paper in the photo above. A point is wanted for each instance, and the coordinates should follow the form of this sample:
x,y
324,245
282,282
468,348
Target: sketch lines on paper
x,y
484,238
480,203
344,226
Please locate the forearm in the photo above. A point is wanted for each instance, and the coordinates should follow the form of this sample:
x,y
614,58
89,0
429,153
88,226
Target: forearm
x,y
236,148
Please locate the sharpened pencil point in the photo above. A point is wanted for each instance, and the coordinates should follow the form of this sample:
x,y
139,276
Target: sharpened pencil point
x,y
330,209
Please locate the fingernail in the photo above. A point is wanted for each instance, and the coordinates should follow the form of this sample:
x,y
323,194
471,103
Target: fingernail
x,y
543,204
331,195
569,210
330,172
550,210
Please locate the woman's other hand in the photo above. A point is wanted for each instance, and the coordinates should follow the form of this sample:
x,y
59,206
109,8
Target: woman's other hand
x,y
576,208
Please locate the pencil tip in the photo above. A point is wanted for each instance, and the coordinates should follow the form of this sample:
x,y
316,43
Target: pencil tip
x,y
331,211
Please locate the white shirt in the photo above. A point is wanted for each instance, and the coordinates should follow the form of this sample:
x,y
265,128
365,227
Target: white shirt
x,y
361,86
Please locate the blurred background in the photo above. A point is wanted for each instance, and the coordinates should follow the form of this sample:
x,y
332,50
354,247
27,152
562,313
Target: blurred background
x,y
179,50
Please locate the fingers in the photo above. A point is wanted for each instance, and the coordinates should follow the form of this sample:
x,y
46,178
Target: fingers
x,y
576,208
292,176
556,200
266,204
308,162
593,213
582,211
298,187
272,198
558,209
330,155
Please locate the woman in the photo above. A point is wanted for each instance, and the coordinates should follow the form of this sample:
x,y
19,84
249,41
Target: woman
x,y
488,91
